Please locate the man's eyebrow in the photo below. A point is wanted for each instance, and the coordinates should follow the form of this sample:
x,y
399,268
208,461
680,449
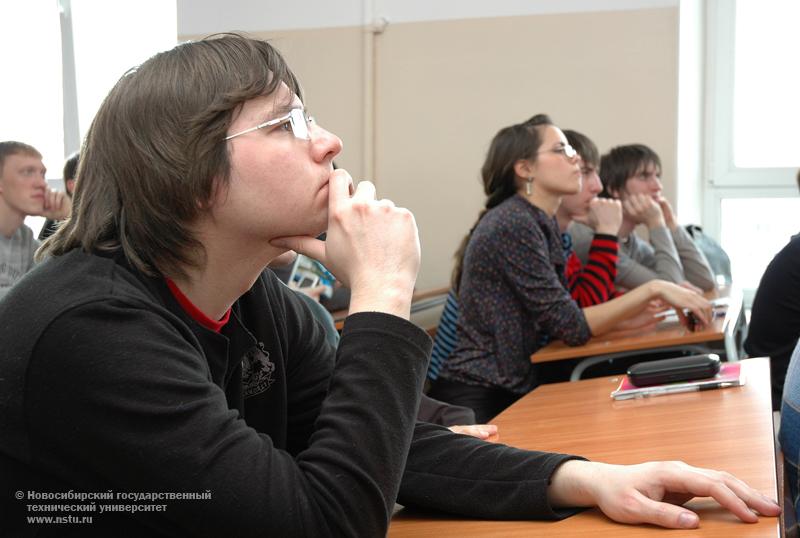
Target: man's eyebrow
x,y
281,110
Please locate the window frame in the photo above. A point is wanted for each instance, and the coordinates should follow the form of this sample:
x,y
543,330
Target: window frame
x,y
723,179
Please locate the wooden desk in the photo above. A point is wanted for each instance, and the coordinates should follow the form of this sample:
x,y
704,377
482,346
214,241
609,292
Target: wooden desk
x,y
668,335
727,429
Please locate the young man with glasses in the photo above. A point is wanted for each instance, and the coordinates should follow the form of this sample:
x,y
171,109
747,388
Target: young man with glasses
x,y
175,376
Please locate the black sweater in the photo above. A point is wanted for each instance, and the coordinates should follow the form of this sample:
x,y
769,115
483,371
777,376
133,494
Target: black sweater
x,y
108,387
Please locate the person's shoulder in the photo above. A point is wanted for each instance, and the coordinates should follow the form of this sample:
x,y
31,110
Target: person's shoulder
x,y
22,235
788,258
60,286
793,246
25,232
60,282
512,215
783,270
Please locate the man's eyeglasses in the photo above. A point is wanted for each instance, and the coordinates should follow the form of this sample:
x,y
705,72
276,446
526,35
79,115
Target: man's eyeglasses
x,y
296,118
566,150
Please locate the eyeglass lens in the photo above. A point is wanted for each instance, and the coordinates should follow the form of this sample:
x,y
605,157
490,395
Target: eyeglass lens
x,y
300,122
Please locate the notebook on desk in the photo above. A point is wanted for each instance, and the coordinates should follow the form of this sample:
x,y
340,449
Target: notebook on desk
x,y
730,375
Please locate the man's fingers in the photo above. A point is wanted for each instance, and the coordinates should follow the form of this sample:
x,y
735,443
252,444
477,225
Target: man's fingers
x,y
684,320
365,191
700,485
703,312
664,514
302,244
481,431
50,199
751,497
340,187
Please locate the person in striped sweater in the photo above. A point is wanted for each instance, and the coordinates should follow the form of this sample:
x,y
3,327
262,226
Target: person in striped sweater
x,y
592,283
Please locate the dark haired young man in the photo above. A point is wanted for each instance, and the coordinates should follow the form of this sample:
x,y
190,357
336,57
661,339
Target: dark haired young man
x,y
166,368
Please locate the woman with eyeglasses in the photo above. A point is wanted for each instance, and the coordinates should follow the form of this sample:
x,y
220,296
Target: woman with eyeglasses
x,y
510,273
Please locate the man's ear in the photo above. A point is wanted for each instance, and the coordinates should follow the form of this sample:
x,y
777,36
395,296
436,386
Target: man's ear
x,y
219,190
70,186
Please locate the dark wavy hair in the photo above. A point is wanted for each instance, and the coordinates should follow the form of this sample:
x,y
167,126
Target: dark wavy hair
x,y
509,145
622,163
156,153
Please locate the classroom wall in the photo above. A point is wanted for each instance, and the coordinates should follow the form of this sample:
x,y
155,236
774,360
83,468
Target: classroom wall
x,y
441,87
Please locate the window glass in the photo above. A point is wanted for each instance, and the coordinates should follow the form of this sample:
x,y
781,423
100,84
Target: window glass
x,y
108,41
753,231
766,82
31,108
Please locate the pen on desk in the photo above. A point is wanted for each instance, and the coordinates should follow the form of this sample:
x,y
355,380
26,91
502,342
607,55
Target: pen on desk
x,y
720,385
689,388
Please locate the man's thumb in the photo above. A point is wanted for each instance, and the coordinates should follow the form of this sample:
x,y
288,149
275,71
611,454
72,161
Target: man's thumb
x,y
302,244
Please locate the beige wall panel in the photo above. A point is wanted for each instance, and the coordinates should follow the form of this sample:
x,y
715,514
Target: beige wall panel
x,y
444,88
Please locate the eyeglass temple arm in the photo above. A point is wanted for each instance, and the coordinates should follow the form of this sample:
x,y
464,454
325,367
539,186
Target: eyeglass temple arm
x,y
256,128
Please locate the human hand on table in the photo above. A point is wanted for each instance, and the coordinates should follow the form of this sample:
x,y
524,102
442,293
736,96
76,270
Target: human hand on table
x,y
487,432
654,492
645,319
682,298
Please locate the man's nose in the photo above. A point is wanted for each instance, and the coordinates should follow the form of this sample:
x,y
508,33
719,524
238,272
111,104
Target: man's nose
x,y
325,143
596,185
655,180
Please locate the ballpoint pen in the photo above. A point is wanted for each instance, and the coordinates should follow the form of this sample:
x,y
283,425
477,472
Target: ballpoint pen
x,y
654,391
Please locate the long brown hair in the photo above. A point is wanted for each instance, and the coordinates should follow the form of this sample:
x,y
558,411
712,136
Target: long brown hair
x,y
155,153
509,145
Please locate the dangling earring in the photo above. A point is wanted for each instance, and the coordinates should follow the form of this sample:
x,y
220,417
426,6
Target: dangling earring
x,y
528,186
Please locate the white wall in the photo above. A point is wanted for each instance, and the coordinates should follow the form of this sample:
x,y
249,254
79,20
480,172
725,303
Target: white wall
x,y
208,16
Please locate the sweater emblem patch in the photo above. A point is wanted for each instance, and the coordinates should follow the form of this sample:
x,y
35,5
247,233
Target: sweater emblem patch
x,y
257,371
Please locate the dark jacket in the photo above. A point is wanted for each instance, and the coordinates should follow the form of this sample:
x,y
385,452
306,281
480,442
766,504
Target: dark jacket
x,y
108,388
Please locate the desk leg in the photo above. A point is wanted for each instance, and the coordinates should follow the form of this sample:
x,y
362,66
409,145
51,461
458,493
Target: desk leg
x,y
731,344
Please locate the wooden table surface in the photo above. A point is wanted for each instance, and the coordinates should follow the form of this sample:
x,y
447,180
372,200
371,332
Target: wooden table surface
x,y
665,334
727,429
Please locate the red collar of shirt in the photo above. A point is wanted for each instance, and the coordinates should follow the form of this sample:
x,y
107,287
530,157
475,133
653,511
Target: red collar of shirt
x,y
195,313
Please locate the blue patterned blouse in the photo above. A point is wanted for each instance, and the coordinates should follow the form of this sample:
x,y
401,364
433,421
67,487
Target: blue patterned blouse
x,y
513,292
